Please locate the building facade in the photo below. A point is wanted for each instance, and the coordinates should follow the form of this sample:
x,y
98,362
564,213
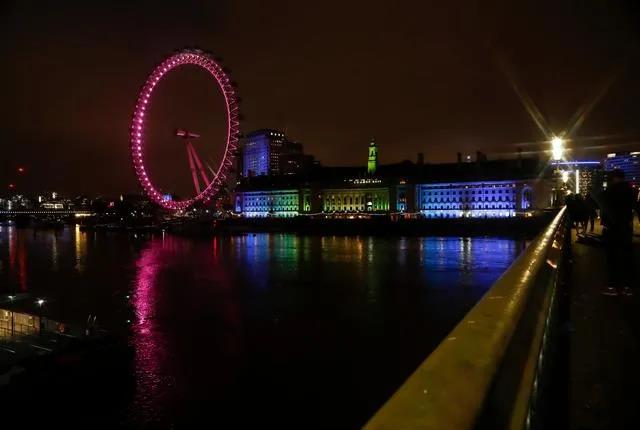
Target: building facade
x,y
481,189
628,162
261,153
582,176
268,203
268,152
370,199
487,199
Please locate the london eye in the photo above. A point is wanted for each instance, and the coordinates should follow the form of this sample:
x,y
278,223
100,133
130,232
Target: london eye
x,y
207,179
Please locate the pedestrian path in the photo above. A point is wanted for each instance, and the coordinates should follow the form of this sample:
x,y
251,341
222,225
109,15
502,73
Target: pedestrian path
x,y
604,345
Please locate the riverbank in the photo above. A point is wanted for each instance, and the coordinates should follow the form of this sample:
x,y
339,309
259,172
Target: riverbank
x,y
376,226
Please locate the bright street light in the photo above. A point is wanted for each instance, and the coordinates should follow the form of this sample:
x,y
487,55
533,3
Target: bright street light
x,y
557,148
565,176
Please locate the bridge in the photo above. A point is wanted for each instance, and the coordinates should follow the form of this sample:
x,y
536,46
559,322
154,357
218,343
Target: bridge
x,y
46,212
543,349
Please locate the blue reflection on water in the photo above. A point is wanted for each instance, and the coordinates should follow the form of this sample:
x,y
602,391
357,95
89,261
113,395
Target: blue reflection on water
x,y
328,326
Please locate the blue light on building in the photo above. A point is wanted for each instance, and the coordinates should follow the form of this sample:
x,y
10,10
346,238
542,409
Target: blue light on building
x,y
401,198
268,203
495,199
628,162
261,153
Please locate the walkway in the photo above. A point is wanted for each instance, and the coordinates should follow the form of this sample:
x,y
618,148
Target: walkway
x,y
604,345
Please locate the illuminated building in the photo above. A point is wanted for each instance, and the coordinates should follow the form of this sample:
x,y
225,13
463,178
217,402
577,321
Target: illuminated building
x,y
53,205
268,203
628,162
405,195
491,199
476,189
269,152
584,175
261,153
372,162
360,195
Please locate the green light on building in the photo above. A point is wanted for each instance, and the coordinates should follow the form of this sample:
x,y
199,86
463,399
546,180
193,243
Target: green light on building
x,y
372,163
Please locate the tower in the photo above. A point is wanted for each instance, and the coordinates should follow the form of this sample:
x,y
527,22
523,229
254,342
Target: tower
x,y
261,152
372,163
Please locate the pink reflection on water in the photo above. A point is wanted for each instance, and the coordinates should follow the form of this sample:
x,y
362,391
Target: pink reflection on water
x,y
18,258
187,334
152,377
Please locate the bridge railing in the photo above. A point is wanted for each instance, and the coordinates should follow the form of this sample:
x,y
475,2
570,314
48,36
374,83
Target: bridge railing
x,y
488,371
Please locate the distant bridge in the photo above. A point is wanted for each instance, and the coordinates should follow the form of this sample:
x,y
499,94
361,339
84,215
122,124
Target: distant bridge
x,y
47,212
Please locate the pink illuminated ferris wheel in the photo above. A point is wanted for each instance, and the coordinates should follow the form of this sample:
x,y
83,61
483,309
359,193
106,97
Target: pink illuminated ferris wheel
x,y
213,177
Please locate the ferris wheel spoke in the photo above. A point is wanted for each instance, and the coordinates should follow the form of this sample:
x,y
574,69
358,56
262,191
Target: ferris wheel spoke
x,y
192,167
196,159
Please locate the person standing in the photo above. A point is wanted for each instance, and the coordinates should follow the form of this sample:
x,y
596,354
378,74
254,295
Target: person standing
x,y
592,210
619,204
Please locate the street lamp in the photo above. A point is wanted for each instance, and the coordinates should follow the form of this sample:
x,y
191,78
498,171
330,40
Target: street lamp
x,y
557,148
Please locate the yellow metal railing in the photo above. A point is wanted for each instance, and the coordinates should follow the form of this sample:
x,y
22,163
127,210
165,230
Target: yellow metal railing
x,y
455,387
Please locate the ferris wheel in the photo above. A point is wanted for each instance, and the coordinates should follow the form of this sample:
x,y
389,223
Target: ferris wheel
x,y
207,182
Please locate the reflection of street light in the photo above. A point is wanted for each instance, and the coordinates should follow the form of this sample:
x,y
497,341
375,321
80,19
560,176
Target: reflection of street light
x,y
40,302
13,325
557,148
565,176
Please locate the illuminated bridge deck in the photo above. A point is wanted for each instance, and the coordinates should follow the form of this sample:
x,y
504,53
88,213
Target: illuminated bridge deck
x,y
45,212
604,346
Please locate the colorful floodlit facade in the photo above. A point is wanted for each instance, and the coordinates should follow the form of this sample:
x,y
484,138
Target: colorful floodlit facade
x,y
491,199
480,189
352,200
268,203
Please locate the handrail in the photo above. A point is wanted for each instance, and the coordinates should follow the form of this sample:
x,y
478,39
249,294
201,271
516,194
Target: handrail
x,y
450,390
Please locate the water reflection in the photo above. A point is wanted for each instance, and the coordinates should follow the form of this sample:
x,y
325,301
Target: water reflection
x,y
234,324
80,241
150,348
17,258
185,310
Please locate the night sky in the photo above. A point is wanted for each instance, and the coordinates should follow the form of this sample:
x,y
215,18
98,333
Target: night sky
x,y
421,76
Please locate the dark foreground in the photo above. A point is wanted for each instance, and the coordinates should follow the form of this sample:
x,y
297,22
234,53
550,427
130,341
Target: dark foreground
x,y
604,346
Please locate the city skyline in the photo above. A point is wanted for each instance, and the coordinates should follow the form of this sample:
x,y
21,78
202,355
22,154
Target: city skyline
x,y
421,79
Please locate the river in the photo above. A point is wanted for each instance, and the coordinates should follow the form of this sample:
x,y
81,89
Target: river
x,y
266,330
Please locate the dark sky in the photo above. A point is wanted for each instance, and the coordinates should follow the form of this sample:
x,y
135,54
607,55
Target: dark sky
x,y
419,76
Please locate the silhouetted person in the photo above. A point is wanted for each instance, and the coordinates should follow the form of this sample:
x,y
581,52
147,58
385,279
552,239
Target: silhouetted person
x,y
592,210
572,209
619,204
581,213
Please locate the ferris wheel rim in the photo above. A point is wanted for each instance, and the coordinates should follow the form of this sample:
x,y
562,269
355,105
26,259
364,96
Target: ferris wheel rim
x,y
137,131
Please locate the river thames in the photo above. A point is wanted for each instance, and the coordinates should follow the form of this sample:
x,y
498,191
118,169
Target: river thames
x,y
275,330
